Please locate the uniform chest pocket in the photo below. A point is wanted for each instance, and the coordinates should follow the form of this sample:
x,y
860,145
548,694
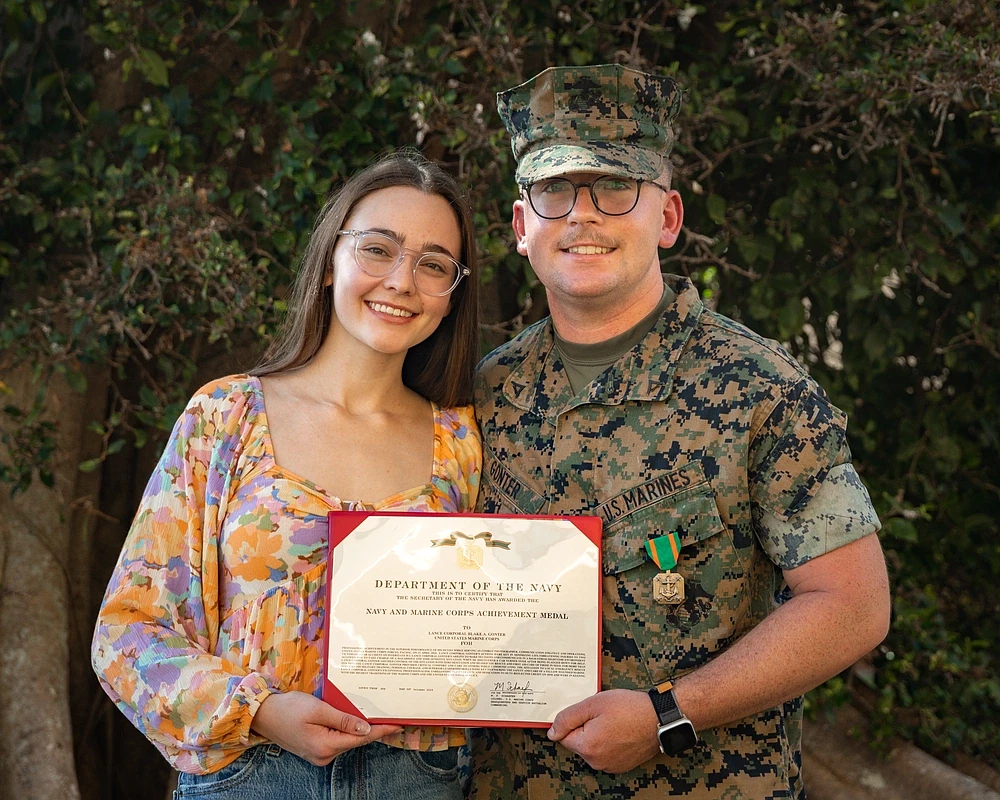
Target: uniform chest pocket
x,y
502,492
675,637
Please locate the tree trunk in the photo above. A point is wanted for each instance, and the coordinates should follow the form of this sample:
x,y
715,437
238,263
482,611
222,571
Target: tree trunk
x,y
37,558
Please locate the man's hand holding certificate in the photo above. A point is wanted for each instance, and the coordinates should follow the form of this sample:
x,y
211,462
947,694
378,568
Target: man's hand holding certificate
x,y
448,619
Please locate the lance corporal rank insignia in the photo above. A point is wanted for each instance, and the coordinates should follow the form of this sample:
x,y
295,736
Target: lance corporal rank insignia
x,y
668,587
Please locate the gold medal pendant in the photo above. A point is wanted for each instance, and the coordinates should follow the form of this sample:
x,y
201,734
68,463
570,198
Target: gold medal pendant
x,y
668,588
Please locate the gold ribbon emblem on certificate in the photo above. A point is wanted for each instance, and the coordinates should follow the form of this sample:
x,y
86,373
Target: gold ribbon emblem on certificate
x,y
452,539
668,587
462,698
469,555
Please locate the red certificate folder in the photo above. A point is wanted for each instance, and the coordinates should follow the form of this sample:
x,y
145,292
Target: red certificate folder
x,y
461,620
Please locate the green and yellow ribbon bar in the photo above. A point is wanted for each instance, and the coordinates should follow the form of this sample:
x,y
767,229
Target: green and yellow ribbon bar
x,y
664,550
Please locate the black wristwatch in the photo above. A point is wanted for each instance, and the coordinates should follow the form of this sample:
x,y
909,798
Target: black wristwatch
x,y
676,733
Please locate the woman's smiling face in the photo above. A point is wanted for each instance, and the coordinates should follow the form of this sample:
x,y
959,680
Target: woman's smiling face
x,y
389,314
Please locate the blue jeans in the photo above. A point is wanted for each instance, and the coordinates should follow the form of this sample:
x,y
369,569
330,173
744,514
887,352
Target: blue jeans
x,y
373,772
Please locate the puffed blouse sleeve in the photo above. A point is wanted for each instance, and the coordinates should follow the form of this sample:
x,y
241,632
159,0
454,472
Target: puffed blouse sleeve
x,y
159,622
463,450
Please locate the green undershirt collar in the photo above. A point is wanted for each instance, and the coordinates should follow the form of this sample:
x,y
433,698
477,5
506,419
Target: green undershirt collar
x,y
584,362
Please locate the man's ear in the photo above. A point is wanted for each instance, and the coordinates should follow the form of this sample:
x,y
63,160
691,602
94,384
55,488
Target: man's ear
x,y
673,218
517,223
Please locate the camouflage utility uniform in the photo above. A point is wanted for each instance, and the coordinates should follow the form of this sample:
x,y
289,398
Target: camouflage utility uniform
x,y
703,428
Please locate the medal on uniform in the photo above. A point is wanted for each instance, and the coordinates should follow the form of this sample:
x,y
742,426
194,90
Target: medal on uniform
x,y
668,587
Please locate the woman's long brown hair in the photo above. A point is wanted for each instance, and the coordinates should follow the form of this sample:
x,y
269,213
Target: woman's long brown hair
x,y
439,368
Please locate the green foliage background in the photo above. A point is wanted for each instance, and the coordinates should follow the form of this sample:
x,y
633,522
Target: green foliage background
x,y
161,163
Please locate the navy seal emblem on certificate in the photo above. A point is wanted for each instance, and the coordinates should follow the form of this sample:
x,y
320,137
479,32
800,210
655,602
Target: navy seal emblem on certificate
x,y
461,619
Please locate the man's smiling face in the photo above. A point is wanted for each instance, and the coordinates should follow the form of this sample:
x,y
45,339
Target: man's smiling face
x,y
588,257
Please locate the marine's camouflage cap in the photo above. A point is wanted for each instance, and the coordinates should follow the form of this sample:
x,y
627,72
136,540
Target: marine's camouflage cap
x,y
607,119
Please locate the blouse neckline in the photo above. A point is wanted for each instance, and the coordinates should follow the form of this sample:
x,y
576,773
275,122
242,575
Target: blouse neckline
x,y
257,401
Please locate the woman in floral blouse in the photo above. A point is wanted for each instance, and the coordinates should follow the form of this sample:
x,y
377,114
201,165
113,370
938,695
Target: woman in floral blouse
x,y
209,637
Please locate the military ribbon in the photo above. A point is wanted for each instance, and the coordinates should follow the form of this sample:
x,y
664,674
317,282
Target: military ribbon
x,y
664,550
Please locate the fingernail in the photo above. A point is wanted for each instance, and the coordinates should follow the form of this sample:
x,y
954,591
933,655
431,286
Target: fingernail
x,y
362,728
550,734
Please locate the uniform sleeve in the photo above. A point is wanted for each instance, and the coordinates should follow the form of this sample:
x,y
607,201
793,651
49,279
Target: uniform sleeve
x,y
159,621
806,497
464,464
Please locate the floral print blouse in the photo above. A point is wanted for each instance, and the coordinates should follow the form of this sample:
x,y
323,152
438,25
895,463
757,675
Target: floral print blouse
x,y
218,598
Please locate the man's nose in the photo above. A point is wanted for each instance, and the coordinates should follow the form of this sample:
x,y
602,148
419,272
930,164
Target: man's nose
x,y
583,207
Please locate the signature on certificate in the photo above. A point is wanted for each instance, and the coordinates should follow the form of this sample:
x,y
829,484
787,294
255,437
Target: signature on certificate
x,y
513,687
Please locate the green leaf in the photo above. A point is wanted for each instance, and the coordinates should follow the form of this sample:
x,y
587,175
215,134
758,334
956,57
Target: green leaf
x,y
791,317
40,221
952,271
284,241
875,345
781,208
76,380
153,67
148,397
901,529
736,121
748,248
951,216
90,464
716,207
947,453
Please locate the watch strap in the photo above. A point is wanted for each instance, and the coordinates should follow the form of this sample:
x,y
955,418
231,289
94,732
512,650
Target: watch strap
x,y
665,703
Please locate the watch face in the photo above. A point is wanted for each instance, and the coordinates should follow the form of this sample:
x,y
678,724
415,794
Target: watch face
x,y
677,738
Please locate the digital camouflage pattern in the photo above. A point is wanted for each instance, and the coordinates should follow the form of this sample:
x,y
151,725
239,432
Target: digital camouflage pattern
x,y
703,428
606,119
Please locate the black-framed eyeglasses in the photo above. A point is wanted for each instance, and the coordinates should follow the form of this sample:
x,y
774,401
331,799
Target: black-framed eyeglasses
x,y
554,198
379,255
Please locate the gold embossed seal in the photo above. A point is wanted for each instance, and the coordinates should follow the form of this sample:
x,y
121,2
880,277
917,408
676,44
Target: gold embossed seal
x,y
469,556
462,698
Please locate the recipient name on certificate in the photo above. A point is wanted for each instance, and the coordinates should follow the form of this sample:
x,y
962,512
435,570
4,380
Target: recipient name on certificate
x,y
447,619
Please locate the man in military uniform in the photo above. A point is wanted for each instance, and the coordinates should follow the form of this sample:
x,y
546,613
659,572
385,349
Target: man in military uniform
x,y
741,565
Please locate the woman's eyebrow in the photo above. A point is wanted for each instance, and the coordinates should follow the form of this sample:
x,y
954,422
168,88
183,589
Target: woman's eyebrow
x,y
429,247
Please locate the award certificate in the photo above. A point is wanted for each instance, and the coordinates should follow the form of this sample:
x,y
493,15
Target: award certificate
x,y
462,619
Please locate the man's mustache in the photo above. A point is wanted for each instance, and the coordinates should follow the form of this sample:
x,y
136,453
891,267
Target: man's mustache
x,y
589,238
